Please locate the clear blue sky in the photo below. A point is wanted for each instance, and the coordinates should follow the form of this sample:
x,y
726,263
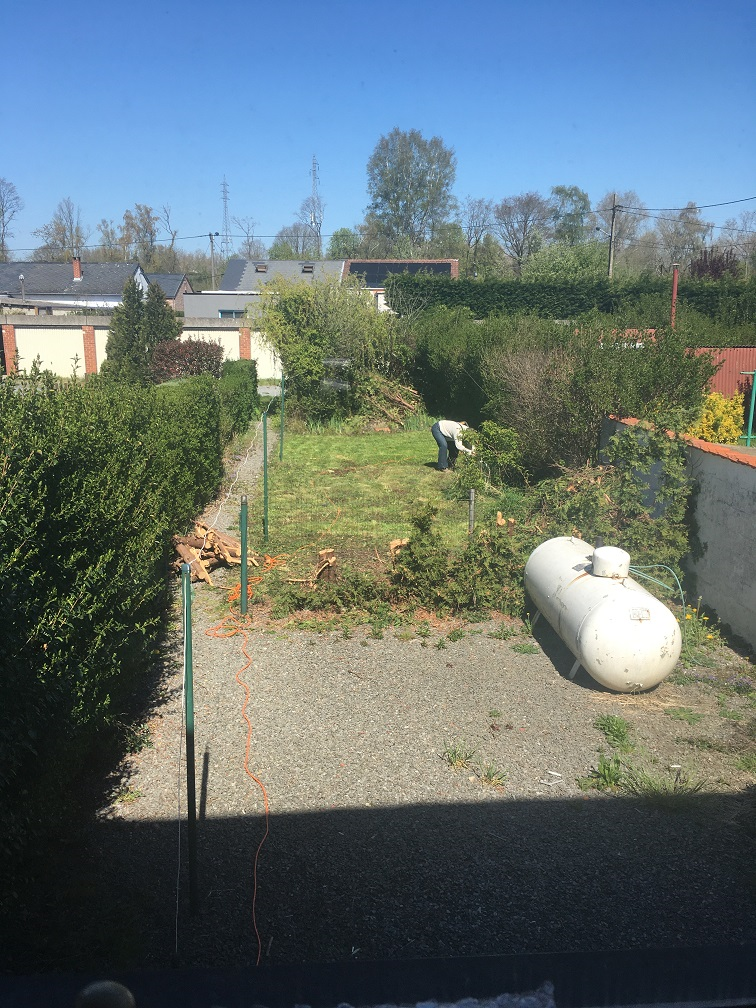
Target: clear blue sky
x,y
113,104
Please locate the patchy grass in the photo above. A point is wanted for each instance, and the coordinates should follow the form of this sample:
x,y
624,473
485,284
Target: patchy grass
x,y
616,730
457,754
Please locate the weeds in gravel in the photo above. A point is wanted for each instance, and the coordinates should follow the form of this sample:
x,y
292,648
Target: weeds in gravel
x,y
126,795
491,774
747,763
455,635
525,647
607,776
727,712
660,786
504,632
457,754
616,730
683,714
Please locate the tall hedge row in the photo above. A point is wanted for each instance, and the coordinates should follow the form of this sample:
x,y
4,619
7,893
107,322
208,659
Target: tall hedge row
x,y
94,481
725,300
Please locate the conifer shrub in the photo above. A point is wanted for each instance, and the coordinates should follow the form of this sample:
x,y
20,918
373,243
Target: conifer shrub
x,y
721,420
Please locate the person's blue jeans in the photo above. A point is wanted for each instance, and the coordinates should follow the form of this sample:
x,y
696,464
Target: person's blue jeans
x,y
446,448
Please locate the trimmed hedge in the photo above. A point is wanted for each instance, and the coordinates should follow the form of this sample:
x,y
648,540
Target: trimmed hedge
x,y
94,482
727,300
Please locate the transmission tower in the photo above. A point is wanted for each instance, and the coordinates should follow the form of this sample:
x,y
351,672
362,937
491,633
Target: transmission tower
x,y
226,242
316,207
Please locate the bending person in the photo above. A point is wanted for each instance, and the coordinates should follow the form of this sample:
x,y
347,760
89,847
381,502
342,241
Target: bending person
x,y
448,434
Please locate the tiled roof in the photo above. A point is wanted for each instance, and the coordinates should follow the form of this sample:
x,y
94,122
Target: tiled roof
x,y
253,274
57,278
169,283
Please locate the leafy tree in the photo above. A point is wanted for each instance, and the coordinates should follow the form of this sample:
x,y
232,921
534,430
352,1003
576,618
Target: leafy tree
x,y
409,181
713,264
573,220
344,244
522,223
138,325
10,204
308,324
63,236
562,262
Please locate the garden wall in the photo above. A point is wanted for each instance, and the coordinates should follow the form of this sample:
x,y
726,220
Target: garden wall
x,y
59,340
722,564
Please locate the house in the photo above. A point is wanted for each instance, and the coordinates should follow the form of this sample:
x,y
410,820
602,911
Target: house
x,y
375,271
61,288
244,280
174,286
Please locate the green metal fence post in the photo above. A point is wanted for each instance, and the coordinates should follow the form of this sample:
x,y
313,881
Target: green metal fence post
x,y
750,413
244,572
265,477
191,801
281,432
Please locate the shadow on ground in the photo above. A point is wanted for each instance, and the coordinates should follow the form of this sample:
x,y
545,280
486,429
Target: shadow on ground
x,y
492,878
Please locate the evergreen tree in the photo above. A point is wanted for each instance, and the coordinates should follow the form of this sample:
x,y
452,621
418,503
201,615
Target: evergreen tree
x,y
138,325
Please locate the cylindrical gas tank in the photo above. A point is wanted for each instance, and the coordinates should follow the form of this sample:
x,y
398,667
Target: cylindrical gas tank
x,y
621,634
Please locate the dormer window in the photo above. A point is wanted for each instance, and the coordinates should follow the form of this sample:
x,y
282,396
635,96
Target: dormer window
x,y
261,267
308,267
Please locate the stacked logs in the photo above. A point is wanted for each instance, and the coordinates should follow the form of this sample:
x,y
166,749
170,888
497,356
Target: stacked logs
x,y
205,549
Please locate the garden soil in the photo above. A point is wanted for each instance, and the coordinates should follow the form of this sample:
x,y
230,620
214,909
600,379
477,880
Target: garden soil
x,y
373,846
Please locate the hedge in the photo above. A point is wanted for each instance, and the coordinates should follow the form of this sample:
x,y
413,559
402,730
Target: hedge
x,y
94,482
727,300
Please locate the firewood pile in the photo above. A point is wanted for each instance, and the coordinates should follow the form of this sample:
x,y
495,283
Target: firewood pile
x,y
205,549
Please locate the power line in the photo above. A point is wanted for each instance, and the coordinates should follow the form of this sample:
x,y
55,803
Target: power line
x,y
703,206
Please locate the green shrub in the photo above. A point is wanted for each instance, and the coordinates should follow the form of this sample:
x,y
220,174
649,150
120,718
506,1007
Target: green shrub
x,y
721,420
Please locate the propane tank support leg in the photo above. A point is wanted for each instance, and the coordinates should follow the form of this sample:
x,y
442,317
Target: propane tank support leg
x,y
574,670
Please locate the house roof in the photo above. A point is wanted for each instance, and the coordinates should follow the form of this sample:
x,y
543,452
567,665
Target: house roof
x,y
42,278
169,283
375,271
253,274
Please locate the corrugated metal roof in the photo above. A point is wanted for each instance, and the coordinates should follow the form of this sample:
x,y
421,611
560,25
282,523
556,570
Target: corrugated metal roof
x,y
729,380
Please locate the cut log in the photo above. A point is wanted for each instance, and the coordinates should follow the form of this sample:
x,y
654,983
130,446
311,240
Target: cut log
x,y
192,557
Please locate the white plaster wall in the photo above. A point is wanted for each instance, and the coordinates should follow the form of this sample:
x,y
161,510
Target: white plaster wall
x,y
56,347
101,342
725,511
267,364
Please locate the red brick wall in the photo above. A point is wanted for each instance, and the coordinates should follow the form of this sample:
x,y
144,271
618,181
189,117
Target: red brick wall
x,y
90,349
10,349
245,343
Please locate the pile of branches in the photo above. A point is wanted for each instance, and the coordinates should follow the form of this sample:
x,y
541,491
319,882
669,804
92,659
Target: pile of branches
x,y
385,399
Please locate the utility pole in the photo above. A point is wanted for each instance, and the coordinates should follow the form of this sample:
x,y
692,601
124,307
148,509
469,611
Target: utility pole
x,y
611,235
211,236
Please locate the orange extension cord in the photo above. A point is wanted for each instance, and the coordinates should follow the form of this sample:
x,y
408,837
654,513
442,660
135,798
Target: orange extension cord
x,y
237,625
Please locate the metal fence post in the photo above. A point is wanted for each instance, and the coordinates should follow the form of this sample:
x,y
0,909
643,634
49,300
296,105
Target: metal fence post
x,y
244,571
191,800
281,432
471,513
265,477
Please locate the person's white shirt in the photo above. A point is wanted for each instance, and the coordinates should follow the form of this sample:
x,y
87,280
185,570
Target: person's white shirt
x,y
452,429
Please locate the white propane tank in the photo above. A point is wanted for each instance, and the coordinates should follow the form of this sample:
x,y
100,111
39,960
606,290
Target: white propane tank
x,y
621,634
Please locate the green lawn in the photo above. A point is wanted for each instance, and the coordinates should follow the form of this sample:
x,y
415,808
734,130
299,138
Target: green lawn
x,y
356,493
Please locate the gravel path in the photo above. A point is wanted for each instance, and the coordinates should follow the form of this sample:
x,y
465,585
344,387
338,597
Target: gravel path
x,y
377,848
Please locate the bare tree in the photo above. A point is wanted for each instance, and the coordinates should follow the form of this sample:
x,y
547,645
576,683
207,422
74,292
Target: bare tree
x,y
295,241
140,233
251,247
740,234
522,224
681,234
62,237
629,219
10,204
477,217
310,217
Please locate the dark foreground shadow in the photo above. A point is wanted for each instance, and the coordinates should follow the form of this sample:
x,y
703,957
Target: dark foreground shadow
x,y
574,880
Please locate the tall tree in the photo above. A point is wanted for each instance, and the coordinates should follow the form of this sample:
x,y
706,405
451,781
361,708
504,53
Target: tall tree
x,y
138,325
477,216
10,204
310,219
573,220
294,242
251,247
629,220
522,224
409,181
681,234
140,233
63,236
740,234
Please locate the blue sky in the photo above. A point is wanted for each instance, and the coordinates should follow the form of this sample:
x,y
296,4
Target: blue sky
x,y
114,104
